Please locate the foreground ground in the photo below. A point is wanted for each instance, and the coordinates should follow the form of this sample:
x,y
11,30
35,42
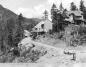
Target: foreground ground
x,y
49,52
55,56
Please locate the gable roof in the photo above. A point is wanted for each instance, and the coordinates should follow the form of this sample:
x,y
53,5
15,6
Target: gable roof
x,y
42,22
76,13
47,24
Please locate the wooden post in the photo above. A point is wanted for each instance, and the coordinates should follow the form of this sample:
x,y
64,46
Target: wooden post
x,y
74,57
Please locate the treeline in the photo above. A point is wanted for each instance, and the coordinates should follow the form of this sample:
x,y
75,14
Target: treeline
x,y
11,32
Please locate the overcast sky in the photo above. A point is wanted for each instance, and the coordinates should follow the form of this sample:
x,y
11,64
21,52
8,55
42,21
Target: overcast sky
x,y
34,8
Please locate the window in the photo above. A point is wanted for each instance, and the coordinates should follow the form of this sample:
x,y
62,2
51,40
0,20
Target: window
x,y
42,25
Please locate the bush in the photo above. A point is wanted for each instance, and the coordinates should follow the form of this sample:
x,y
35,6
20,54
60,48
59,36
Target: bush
x,y
31,55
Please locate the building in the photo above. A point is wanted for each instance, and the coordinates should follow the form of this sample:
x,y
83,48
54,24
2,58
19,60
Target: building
x,y
75,16
43,26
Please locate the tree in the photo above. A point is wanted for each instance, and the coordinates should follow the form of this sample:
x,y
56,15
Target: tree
x,y
10,27
82,7
45,14
53,8
73,7
53,11
30,26
84,13
54,17
55,21
61,7
19,32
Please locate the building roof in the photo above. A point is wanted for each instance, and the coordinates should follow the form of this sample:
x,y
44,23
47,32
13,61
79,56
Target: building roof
x,y
40,23
76,13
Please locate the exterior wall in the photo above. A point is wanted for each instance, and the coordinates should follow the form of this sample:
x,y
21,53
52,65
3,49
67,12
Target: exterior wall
x,y
38,27
71,19
47,26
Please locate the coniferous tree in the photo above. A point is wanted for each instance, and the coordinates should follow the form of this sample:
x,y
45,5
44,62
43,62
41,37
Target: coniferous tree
x,y
82,7
73,7
10,29
61,7
53,9
54,17
55,21
19,33
10,32
45,14
84,13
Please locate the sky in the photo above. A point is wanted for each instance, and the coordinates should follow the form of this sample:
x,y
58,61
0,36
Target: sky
x,y
35,8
